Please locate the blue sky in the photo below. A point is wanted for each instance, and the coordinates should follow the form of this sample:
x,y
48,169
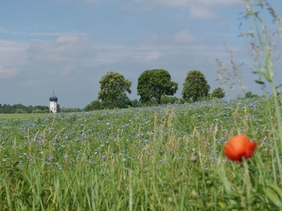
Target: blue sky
x,y
68,45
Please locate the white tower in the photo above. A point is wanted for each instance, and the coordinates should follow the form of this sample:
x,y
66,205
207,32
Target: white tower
x,y
53,103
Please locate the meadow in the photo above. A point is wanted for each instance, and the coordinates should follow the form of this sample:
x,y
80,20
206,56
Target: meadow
x,y
152,158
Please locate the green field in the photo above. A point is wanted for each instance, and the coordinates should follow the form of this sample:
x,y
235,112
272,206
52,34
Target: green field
x,y
139,159
18,116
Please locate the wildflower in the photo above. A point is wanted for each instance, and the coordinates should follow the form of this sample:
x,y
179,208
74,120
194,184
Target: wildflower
x,y
193,159
194,193
239,146
170,200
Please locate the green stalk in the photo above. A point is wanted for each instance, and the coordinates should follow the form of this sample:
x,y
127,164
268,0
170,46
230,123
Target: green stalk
x,y
266,49
247,182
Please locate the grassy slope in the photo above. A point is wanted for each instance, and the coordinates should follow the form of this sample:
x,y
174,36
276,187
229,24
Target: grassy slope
x,y
137,159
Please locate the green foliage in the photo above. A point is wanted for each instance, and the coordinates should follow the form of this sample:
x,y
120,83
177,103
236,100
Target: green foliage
x,y
94,105
158,158
139,159
123,101
155,83
19,111
112,85
19,108
180,101
274,193
218,93
136,103
169,100
106,104
58,108
250,95
195,86
151,102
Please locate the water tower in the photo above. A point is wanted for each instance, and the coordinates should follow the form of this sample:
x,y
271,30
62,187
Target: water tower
x,y
53,103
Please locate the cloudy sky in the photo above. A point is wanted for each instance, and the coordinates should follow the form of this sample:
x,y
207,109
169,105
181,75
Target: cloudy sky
x,y
68,45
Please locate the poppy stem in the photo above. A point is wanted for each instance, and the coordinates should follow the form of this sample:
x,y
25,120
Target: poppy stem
x,y
247,181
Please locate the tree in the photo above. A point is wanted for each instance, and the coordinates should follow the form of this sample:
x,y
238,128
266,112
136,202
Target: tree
x,y
123,101
135,103
107,104
169,100
155,84
94,105
218,93
112,86
195,86
250,95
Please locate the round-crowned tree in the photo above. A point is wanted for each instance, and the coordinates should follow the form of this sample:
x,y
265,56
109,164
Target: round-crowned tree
x,y
112,86
218,93
155,84
195,86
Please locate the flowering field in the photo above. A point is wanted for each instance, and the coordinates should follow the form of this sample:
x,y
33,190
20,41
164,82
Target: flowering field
x,y
152,158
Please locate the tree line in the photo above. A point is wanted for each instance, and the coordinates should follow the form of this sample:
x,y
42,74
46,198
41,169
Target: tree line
x,y
19,108
154,87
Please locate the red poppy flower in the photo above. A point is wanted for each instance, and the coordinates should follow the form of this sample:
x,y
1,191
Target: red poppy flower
x,y
239,146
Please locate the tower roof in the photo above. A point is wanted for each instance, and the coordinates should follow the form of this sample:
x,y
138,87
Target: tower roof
x,y
53,98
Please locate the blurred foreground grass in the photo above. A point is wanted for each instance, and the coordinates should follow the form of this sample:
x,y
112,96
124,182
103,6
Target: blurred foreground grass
x,y
157,158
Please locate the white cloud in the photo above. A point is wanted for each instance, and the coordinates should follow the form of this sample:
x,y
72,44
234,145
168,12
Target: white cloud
x,y
47,34
153,4
64,48
26,31
30,82
153,56
184,37
42,26
2,29
201,12
218,3
67,69
12,52
8,72
179,37
198,9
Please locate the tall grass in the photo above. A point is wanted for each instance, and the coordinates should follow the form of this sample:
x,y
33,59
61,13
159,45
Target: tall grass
x,y
258,14
157,158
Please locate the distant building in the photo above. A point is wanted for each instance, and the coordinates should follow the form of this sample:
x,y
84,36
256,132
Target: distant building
x,y
53,103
